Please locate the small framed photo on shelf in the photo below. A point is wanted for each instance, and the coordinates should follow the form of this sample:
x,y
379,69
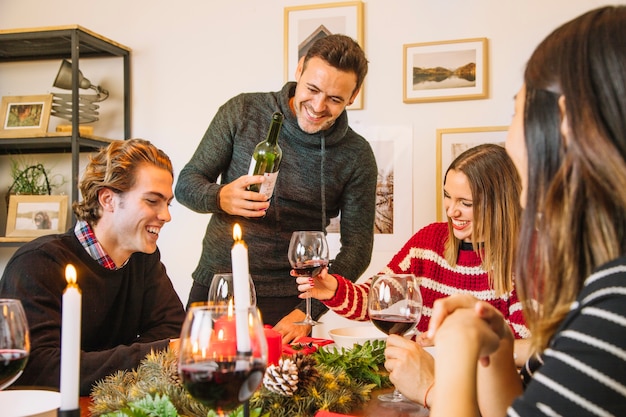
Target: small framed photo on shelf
x,y
36,215
445,71
24,116
305,24
452,142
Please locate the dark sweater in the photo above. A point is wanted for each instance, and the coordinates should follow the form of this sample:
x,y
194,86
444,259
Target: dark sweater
x,y
125,312
320,175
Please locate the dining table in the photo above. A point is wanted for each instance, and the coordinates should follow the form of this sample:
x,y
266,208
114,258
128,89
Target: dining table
x,y
372,408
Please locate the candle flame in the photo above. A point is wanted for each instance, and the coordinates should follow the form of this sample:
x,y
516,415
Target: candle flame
x,y
237,232
70,274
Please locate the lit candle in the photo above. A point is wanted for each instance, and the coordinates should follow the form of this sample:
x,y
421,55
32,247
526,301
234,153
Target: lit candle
x,y
70,342
241,288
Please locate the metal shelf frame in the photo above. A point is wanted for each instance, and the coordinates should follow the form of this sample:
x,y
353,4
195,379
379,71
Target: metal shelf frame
x,y
71,42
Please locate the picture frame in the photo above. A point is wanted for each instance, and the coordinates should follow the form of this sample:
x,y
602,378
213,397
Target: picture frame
x,y
24,116
393,149
36,215
445,70
452,142
306,23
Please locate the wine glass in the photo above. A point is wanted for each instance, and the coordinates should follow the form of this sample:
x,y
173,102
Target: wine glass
x,y
222,291
223,355
14,341
395,307
308,255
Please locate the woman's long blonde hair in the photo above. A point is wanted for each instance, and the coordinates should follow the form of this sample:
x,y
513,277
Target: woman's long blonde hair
x,y
495,187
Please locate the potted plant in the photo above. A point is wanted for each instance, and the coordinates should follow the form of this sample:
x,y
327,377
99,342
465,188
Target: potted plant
x,y
32,179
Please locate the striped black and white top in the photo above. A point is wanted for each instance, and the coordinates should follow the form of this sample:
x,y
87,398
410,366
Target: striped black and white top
x,y
583,372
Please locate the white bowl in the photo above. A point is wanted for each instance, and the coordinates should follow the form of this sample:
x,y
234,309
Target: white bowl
x,y
29,403
347,337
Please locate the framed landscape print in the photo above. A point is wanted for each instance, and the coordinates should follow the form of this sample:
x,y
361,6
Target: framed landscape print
x,y
445,71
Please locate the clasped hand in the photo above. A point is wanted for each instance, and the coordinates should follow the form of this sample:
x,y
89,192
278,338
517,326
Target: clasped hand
x,y
462,320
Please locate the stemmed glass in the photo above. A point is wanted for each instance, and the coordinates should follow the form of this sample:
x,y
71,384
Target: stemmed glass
x,y
395,307
14,341
308,255
222,290
222,364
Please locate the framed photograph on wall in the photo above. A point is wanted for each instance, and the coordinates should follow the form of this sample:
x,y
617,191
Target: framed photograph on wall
x,y
305,24
452,142
445,71
36,215
393,223
25,115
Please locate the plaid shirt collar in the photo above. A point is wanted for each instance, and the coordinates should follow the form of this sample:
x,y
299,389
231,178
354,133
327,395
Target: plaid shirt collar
x,y
87,238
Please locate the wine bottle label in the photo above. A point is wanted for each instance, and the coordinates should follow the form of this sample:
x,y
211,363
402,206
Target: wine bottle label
x,y
267,187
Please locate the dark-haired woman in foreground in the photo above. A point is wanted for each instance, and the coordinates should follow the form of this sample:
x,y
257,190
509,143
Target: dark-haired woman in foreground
x,y
568,141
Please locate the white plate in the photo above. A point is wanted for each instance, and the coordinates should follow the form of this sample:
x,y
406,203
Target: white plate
x,y
29,403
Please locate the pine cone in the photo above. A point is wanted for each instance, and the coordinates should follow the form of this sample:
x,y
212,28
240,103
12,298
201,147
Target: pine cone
x,y
307,371
282,378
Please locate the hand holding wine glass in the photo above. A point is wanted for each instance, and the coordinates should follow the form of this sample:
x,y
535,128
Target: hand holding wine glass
x,y
14,341
395,307
308,255
216,366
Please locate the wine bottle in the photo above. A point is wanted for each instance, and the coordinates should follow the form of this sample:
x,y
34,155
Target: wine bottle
x,y
266,158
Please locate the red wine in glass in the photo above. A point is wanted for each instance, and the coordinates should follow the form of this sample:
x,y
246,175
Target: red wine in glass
x,y
309,268
394,306
393,323
12,363
14,341
223,386
308,255
222,358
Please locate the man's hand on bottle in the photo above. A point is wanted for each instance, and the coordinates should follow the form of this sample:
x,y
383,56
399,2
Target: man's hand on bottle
x,y
235,199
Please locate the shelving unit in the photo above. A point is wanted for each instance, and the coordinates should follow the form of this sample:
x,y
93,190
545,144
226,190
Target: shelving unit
x,y
53,43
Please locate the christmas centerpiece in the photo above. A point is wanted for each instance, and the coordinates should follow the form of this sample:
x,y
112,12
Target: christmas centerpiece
x,y
332,379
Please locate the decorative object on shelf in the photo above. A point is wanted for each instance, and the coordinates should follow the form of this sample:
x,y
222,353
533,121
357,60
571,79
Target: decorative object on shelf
x,y
445,71
31,179
329,379
36,215
62,103
24,116
83,130
452,142
32,211
306,24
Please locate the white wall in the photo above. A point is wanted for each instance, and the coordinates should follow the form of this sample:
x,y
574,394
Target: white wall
x,y
188,57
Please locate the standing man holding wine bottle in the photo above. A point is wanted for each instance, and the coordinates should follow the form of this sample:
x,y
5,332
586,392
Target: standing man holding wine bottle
x,y
326,169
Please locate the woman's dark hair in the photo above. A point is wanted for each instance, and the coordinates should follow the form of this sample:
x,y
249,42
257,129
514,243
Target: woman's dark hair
x,y
575,214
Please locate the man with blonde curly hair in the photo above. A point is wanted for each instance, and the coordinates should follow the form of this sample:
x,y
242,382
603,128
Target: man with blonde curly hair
x,y
129,304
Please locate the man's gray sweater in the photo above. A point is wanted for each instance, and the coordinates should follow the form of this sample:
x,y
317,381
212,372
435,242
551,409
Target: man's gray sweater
x,y
321,175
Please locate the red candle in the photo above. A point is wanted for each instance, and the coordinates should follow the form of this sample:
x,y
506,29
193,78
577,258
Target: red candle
x,y
223,339
274,345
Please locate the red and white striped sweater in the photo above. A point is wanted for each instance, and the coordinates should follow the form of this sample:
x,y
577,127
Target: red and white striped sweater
x,y
423,256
